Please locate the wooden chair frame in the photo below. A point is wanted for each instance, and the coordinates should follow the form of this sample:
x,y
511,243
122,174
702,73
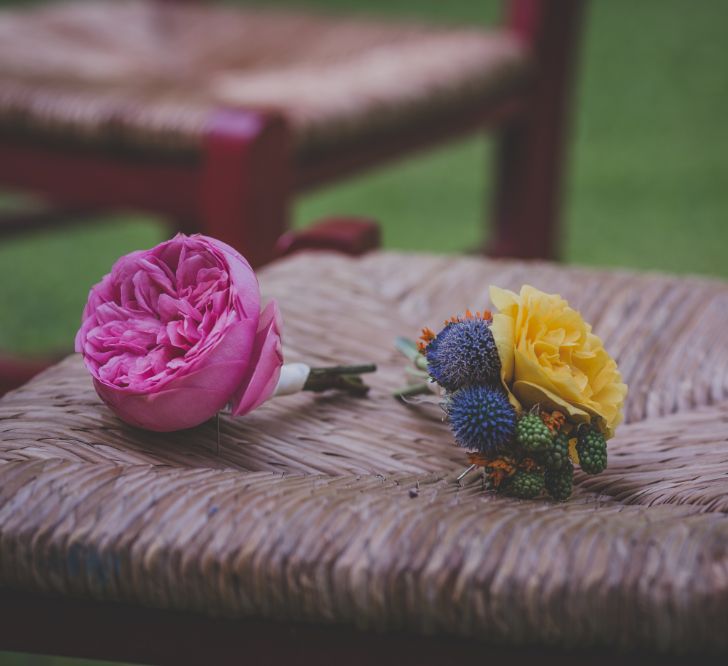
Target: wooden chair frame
x,y
241,187
94,630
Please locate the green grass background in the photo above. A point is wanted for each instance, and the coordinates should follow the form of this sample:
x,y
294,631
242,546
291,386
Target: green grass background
x,y
648,183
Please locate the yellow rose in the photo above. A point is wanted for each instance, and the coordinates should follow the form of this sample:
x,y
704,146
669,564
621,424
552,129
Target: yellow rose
x,y
550,357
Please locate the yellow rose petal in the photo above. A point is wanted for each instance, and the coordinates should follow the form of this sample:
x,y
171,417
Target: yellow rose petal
x,y
531,395
550,357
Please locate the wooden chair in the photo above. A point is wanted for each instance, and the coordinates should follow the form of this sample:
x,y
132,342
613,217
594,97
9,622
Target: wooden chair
x,y
334,530
215,117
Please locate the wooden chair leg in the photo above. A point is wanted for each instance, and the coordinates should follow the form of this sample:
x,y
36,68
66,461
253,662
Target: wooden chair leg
x,y
531,149
525,207
246,182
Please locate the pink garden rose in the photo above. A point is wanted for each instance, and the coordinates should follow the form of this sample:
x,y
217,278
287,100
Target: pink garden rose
x,y
175,333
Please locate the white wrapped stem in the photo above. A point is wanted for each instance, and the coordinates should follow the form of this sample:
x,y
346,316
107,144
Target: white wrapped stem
x,y
293,378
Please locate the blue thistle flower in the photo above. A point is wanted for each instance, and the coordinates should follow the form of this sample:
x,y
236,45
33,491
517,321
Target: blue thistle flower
x,y
463,353
481,418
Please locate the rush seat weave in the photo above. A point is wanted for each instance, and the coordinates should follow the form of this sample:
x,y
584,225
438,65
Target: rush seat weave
x,y
147,75
339,510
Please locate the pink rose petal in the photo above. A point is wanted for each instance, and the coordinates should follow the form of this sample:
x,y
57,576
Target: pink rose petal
x,y
263,373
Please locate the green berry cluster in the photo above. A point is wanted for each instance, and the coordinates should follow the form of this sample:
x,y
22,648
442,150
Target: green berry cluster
x,y
592,451
524,484
538,458
533,434
556,455
559,474
559,482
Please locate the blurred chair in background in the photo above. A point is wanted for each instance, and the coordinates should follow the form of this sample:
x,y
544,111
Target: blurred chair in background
x,y
215,117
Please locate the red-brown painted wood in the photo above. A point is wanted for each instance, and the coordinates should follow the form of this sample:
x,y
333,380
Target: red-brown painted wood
x,y
246,182
239,191
85,179
348,235
93,630
531,147
319,170
15,372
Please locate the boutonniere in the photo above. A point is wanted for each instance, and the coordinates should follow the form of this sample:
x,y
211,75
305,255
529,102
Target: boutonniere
x,y
529,391
174,334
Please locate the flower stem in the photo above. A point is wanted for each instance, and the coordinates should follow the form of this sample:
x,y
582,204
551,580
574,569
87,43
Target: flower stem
x,y
410,391
341,377
407,347
411,351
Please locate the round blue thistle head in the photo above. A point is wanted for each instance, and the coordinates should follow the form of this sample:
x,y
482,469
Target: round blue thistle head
x,y
463,353
481,418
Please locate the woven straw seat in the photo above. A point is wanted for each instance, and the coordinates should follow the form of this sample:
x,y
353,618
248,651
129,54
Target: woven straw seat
x,y
147,75
306,511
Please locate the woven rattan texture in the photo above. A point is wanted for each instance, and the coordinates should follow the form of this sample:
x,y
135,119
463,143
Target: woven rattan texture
x,y
342,510
147,75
